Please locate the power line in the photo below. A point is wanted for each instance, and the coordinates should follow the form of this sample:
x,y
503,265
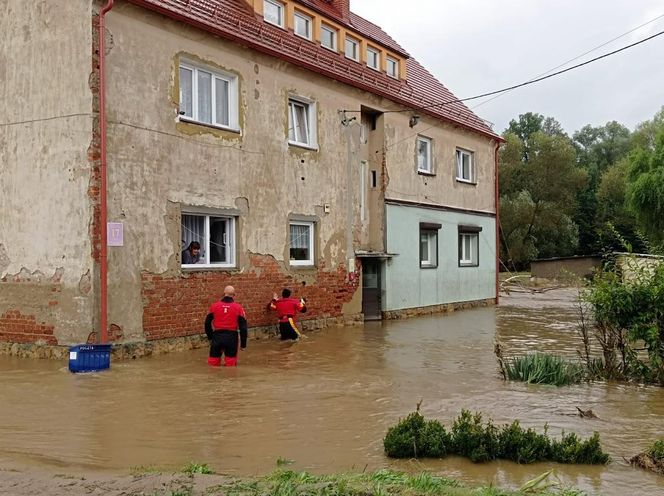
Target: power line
x,y
526,83
579,56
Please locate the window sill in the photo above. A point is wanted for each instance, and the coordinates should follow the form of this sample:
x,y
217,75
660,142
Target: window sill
x,y
393,77
425,173
466,181
275,24
189,120
331,49
302,265
351,58
468,264
377,69
428,266
302,145
303,37
201,268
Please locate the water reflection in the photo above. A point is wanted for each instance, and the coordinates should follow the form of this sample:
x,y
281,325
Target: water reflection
x,y
325,402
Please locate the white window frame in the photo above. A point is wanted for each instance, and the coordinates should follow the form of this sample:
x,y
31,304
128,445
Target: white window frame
x,y
431,259
309,22
230,240
334,35
376,53
392,67
216,74
281,9
460,154
469,247
312,232
356,52
428,166
310,115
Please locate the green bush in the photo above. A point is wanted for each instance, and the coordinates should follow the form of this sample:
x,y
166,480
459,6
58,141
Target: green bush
x,y
540,368
480,441
413,437
656,450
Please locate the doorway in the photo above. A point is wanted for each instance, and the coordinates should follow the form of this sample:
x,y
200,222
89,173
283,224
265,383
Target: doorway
x,y
371,307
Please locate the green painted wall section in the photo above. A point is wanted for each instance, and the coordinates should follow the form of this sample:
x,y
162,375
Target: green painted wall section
x,y
406,285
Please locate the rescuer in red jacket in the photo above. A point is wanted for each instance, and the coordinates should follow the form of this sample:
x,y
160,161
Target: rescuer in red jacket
x,y
287,308
226,328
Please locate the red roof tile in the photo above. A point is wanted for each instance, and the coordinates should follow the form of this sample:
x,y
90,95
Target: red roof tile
x,y
232,20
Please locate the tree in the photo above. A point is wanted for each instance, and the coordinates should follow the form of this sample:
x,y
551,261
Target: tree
x,y
539,185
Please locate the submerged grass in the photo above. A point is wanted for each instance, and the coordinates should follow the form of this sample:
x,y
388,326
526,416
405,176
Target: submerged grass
x,y
540,368
380,483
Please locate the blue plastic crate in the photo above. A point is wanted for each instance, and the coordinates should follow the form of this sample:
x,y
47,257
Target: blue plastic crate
x,y
89,357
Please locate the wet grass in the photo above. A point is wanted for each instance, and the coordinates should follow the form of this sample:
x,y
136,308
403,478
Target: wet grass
x,y
540,368
380,483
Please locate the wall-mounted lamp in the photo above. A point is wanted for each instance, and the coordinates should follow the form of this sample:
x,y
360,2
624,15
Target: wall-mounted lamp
x,y
414,120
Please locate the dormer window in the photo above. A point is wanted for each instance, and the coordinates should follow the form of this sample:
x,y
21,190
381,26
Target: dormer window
x,y
352,48
328,37
392,67
303,25
273,12
373,59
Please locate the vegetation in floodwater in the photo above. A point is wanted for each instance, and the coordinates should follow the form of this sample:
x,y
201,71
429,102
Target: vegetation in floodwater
x,y
472,437
541,368
380,483
652,459
197,468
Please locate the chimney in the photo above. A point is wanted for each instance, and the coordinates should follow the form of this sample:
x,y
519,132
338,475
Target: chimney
x,y
343,7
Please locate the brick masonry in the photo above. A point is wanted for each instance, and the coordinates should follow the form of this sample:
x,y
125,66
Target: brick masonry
x,y
19,328
176,305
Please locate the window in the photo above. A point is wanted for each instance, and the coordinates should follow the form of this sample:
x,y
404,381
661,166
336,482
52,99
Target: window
x,y
352,48
214,234
429,245
392,67
301,243
328,37
208,97
465,166
424,155
303,25
273,12
301,122
469,241
373,59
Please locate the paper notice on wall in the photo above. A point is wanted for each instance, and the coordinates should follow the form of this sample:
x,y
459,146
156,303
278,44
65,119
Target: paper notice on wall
x,y
115,234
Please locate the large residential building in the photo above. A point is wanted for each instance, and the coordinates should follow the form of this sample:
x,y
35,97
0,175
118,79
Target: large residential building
x,y
296,142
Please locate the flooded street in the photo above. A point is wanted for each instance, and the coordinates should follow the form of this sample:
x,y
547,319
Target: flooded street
x,y
326,402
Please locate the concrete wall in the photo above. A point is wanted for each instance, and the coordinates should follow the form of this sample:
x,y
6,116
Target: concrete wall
x,y
46,124
407,285
636,266
564,267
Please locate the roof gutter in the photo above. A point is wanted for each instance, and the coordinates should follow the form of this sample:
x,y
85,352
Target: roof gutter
x,y
103,214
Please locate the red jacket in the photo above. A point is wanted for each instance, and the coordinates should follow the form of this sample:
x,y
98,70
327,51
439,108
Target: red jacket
x,y
287,308
226,315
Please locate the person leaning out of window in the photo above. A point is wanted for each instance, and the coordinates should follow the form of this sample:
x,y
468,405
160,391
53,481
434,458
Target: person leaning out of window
x,y
192,255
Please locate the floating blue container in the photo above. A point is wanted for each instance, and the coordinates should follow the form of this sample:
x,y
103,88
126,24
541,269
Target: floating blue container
x,y
89,357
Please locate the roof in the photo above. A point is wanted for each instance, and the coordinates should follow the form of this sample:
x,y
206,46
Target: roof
x,y
231,19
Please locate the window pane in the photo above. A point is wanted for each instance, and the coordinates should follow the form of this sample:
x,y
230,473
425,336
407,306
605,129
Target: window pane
x,y
351,49
291,121
424,248
466,166
186,94
467,248
272,13
302,26
193,229
222,94
423,155
392,67
302,124
327,38
219,240
300,242
204,97
372,58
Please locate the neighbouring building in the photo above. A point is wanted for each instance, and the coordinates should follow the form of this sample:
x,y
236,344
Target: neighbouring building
x,y
296,142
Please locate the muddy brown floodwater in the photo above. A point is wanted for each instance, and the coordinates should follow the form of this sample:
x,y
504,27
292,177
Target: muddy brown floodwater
x,y
326,402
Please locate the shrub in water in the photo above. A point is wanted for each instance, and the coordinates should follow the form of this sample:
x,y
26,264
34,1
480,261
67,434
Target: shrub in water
x,y
413,437
470,438
570,449
540,368
656,450
523,445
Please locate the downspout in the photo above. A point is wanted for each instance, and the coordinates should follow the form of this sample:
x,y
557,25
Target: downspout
x,y
497,207
103,216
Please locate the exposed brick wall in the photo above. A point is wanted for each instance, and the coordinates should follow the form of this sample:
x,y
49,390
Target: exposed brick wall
x,y
94,150
177,305
16,327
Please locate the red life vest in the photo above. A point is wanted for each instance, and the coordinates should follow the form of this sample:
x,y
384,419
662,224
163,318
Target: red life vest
x,y
286,307
226,315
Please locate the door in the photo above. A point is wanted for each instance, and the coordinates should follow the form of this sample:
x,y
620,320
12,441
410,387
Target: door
x,y
371,289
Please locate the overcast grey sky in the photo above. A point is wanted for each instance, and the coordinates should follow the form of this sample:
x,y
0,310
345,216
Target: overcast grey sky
x,y
476,46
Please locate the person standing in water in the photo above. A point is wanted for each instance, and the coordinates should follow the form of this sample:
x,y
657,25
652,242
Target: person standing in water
x,y
286,308
226,328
